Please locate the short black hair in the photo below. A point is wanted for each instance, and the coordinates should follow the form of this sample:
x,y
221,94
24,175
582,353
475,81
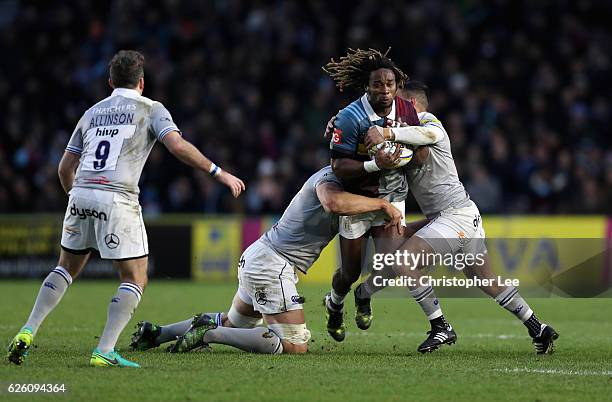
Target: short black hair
x,y
353,70
126,68
417,89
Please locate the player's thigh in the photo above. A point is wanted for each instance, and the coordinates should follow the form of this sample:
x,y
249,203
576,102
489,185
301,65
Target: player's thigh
x,y
268,280
379,220
85,208
387,240
414,254
133,270
352,252
291,327
123,236
241,313
355,226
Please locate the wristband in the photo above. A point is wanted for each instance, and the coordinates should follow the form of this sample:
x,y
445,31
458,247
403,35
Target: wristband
x,y
370,166
214,170
388,134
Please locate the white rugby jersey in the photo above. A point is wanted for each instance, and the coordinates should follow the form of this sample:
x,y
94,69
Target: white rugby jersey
x,y
436,185
114,138
305,229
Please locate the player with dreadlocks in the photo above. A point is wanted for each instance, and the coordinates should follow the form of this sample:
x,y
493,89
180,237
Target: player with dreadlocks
x,y
378,78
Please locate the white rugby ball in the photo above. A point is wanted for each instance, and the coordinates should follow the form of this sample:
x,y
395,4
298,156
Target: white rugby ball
x,y
390,147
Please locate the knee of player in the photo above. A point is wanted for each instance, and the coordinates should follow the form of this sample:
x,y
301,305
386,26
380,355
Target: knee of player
x,y
292,348
236,319
294,337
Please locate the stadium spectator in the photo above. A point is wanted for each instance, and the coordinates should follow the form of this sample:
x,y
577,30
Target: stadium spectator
x,y
527,106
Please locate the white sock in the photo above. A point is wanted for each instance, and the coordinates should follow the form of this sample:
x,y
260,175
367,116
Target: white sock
x,y
428,301
514,303
255,340
53,288
120,311
171,331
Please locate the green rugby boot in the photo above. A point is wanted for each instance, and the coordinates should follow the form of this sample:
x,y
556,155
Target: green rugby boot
x,y
335,320
19,347
194,338
145,336
363,311
110,359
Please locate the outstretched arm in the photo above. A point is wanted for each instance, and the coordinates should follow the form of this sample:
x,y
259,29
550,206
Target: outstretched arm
x,y
411,135
337,201
190,155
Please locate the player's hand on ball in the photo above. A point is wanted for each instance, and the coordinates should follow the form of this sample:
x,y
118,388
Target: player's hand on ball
x,y
235,184
329,129
387,160
395,217
373,137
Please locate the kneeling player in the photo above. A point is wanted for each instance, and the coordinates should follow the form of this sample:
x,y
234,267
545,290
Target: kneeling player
x,y
267,277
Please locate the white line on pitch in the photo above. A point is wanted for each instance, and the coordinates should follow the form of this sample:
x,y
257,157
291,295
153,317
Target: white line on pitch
x,y
410,334
553,371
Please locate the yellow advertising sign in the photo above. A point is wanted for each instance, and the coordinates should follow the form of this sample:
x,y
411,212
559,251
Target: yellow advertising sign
x,y
323,269
215,248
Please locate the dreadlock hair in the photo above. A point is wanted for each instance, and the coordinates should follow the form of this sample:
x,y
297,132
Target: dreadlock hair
x,y
353,70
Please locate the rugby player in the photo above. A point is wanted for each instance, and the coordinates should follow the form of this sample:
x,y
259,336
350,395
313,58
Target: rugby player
x,y
455,223
267,276
99,171
376,75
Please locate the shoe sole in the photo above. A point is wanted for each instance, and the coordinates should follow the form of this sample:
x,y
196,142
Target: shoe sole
x,y
436,347
550,349
364,327
17,354
336,337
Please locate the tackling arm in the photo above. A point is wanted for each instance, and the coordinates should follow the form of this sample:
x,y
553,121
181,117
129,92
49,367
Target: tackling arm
x,y
413,135
66,170
337,201
345,168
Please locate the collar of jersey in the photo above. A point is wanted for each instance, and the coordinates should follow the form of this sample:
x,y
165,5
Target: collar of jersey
x,y
127,92
370,111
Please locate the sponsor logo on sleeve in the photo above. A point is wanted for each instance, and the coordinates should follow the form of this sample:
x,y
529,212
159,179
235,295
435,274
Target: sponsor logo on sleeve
x,y
337,136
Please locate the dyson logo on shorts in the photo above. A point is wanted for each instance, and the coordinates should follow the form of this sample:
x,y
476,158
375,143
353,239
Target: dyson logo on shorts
x,y
84,213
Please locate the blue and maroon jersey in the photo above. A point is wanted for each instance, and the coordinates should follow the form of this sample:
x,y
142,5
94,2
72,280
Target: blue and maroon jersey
x,y
351,125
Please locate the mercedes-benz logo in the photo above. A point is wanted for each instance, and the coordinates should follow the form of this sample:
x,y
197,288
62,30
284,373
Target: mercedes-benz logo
x,y
111,240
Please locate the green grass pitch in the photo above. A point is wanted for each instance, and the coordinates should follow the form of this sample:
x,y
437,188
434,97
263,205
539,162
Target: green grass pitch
x,y
493,359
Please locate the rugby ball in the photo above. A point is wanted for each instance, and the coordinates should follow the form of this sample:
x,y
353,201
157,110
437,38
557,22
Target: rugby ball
x,y
390,147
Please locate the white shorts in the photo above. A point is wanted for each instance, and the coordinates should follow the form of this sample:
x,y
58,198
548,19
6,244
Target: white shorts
x,y
355,226
456,230
106,221
266,281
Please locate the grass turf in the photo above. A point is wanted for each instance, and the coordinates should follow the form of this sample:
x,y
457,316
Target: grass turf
x,y
493,359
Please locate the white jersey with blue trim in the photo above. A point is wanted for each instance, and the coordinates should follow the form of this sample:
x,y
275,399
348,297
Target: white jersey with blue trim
x,y
436,185
114,138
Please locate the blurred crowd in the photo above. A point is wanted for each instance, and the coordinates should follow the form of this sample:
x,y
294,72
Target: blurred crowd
x,y
523,89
